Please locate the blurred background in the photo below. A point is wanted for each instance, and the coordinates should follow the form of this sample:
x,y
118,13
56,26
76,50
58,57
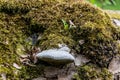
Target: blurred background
x,y
106,4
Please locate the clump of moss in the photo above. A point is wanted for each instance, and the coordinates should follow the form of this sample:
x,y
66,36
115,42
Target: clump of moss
x,y
14,7
92,72
99,43
12,30
53,40
10,36
20,19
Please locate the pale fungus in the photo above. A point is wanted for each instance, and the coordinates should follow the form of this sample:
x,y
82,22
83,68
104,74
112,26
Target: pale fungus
x,y
55,56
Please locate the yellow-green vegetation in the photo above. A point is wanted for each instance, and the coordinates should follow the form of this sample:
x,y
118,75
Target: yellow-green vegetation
x,y
92,72
13,30
57,38
52,19
114,14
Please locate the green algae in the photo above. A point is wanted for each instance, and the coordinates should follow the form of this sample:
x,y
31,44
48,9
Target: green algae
x,y
21,19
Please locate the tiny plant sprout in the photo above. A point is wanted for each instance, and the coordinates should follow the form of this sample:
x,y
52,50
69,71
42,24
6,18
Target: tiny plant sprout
x,y
66,26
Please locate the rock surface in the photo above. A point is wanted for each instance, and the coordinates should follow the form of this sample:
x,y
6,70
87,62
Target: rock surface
x,y
80,60
117,76
114,66
117,22
55,73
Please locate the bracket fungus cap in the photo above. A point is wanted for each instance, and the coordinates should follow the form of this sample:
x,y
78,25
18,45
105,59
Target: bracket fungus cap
x,y
55,56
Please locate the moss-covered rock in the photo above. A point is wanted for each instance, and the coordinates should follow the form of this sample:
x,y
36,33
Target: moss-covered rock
x,y
52,19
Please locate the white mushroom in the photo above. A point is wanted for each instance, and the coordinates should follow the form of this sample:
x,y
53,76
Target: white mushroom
x,y
55,56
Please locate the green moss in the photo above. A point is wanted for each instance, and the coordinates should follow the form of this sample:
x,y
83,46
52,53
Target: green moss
x,y
92,72
8,39
53,40
30,72
14,7
100,44
20,19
